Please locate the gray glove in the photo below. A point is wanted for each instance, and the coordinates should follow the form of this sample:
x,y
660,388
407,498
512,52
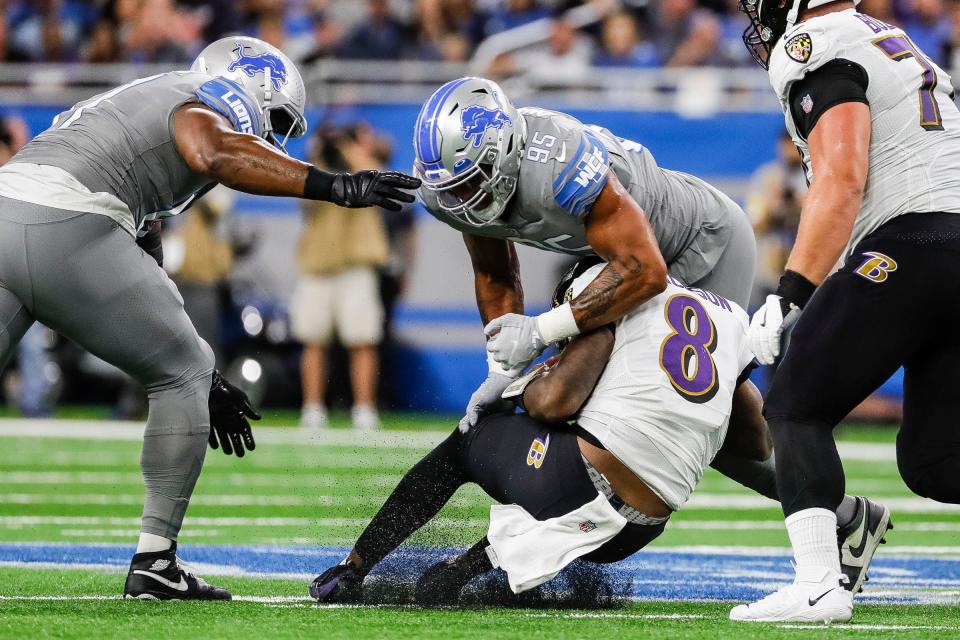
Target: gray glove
x,y
514,340
487,399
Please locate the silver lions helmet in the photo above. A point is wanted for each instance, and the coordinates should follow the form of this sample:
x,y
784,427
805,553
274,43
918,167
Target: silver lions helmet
x,y
468,141
267,76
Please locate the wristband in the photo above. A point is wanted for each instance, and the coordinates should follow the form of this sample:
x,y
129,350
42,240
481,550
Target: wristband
x,y
795,288
557,324
318,185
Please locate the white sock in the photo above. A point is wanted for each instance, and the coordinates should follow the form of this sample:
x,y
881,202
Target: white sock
x,y
313,406
150,543
813,534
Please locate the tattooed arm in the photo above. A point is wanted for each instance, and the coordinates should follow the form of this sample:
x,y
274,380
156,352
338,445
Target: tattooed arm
x,y
619,232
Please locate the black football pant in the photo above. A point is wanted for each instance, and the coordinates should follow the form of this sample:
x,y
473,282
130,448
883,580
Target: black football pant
x,y
895,302
515,460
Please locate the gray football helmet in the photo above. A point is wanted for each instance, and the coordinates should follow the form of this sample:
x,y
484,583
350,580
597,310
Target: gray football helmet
x,y
266,76
468,142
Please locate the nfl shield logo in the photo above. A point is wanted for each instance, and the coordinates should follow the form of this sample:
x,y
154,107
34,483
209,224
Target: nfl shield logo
x,y
806,104
799,47
587,526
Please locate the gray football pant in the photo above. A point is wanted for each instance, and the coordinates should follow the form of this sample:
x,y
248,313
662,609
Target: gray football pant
x,y
83,276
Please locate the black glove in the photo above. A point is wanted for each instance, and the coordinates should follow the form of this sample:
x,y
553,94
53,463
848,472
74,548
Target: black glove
x,y
372,189
229,409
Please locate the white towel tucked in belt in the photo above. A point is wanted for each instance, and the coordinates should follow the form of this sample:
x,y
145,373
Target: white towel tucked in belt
x,y
533,551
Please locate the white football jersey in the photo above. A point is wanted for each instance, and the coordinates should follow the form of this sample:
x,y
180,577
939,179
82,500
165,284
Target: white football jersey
x,y
915,139
663,402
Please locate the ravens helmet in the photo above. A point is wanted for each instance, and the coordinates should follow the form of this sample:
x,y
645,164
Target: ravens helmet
x,y
573,282
769,20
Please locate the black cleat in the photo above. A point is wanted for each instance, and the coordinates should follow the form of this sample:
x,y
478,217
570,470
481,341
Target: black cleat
x,y
159,575
441,584
340,584
859,540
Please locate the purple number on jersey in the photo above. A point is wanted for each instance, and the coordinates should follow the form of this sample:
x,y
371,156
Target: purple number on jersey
x,y
686,355
899,47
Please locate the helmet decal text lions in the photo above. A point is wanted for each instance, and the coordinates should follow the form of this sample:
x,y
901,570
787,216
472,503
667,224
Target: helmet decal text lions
x,y
476,119
254,63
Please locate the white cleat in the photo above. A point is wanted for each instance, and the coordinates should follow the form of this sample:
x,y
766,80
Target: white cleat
x,y
365,418
817,595
313,418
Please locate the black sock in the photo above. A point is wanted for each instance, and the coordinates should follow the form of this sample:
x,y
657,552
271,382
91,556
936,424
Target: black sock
x,y
809,471
418,498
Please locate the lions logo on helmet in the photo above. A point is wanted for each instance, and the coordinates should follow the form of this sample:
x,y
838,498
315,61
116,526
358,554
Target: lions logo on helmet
x,y
254,63
476,119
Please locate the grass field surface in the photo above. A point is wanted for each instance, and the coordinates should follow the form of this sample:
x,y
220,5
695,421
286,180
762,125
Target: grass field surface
x,y
71,496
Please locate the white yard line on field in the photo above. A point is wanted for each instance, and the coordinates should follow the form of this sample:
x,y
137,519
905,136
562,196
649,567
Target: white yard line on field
x,y
700,501
227,521
100,430
866,627
258,599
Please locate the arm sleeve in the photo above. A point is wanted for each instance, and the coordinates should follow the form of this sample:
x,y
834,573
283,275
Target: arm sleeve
x,y
836,82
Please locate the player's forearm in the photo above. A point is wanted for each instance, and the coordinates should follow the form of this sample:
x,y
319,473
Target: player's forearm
x,y
623,285
826,224
497,296
247,163
559,393
496,276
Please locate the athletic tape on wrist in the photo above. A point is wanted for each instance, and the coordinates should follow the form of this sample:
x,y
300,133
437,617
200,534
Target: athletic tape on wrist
x,y
557,324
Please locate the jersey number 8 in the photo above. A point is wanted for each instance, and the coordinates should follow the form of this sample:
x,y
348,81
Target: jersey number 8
x,y
686,355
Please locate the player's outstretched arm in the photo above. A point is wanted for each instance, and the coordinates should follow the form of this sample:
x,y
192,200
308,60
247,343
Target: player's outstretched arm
x,y
210,146
619,232
559,390
840,155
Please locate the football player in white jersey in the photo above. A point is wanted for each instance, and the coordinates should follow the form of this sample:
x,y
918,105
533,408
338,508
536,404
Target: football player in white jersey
x,y
616,435
879,134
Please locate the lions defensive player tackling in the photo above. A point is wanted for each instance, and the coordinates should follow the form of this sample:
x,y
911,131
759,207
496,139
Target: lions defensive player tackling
x,y
649,400
502,175
879,133
72,201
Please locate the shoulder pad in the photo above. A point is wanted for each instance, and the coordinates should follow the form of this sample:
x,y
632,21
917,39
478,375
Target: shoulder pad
x,y
803,49
581,178
230,100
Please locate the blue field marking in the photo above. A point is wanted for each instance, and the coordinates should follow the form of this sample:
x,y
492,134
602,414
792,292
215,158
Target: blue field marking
x,y
652,575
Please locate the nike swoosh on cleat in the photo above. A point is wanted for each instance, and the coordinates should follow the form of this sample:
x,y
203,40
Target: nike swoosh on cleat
x,y
179,586
814,601
857,551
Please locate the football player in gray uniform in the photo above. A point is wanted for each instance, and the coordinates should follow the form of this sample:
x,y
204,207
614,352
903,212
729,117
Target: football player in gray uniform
x,y
502,175
74,199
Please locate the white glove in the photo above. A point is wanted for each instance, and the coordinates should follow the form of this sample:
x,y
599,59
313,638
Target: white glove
x,y
768,325
514,340
487,398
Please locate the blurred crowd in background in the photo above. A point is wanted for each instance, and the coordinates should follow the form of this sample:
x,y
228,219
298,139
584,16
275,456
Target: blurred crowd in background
x,y
334,334
633,33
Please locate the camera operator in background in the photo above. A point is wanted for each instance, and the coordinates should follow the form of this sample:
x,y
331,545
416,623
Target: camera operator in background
x,y
338,293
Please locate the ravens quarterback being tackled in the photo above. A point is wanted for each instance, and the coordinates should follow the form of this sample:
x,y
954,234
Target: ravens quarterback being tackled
x,y
879,133
72,203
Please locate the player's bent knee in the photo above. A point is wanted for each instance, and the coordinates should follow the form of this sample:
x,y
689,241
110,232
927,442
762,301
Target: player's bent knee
x,y
936,480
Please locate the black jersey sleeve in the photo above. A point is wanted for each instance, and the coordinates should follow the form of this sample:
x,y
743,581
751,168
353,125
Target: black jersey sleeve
x,y
834,83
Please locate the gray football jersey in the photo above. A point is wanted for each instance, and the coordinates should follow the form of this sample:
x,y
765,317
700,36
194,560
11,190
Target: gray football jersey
x,y
564,168
121,142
